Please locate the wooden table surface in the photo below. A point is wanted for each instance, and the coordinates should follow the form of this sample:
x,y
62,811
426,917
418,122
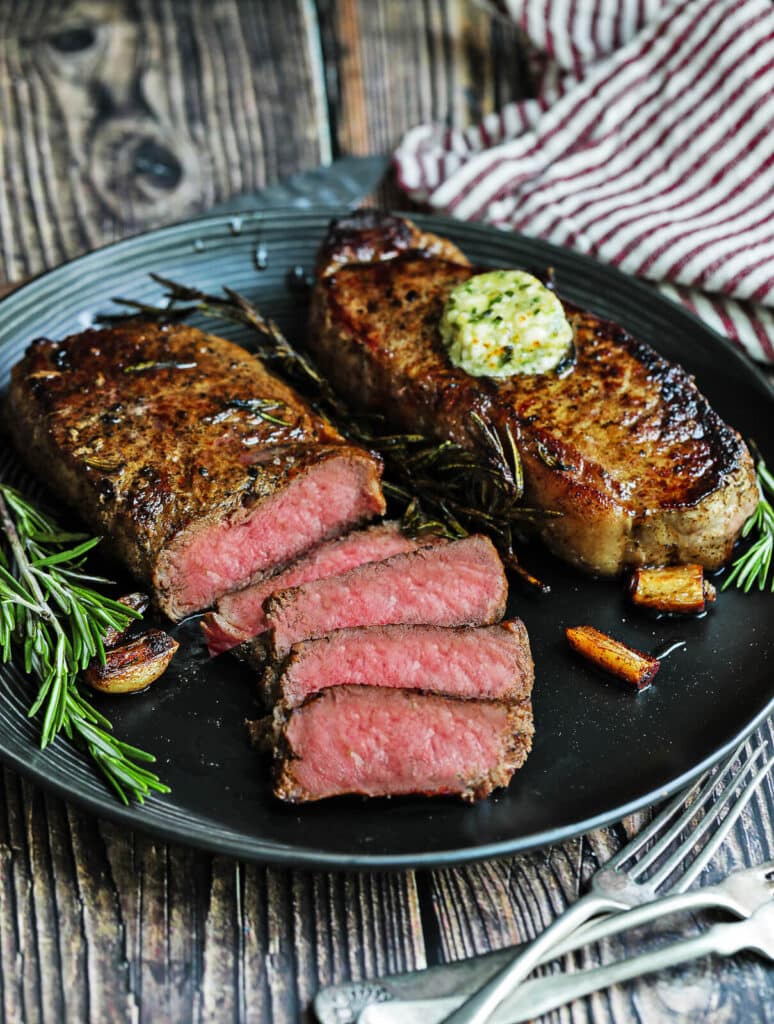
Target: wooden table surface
x,y
118,116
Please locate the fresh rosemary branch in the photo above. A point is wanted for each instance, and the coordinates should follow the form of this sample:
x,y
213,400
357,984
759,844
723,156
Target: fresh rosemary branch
x,y
450,489
754,566
53,617
443,488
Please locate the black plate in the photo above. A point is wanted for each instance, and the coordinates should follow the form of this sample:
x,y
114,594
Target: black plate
x,y
599,752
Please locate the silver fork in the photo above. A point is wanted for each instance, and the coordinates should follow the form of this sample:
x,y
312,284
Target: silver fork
x,y
756,933
741,893
342,1003
616,887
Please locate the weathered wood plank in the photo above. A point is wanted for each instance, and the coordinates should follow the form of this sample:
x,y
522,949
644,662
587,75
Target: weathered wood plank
x,y
14,883
499,903
393,65
116,117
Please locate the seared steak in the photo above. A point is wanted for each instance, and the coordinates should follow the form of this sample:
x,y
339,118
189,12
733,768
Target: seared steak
x,y
492,662
624,446
201,467
456,584
239,615
376,742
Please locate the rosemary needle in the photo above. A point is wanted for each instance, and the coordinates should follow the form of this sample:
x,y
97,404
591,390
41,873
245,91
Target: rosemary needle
x,y
754,565
55,621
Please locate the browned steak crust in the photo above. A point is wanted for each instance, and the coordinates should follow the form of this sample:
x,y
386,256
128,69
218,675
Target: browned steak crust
x,y
625,447
155,433
366,236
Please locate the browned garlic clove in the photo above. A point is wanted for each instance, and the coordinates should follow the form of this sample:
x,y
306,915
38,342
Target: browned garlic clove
x,y
138,602
134,665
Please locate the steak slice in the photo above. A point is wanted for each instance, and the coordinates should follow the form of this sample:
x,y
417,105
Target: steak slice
x,y
492,662
239,615
200,467
377,742
456,584
643,471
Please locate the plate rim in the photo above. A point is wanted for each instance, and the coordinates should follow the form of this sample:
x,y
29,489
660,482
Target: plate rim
x,y
239,845
643,286
243,848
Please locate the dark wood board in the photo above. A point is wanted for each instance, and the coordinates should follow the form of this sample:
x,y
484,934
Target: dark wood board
x,y
99,924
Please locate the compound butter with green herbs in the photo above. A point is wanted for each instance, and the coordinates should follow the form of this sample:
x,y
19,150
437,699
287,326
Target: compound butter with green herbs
x,y
505,322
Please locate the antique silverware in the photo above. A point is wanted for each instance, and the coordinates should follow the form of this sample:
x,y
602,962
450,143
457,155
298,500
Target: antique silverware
x,y
715,791
742,893
624,882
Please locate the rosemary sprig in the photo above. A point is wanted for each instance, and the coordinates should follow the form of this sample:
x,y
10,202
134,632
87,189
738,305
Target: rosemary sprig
x,y
754,565
263,408
56,621
451,489
445,488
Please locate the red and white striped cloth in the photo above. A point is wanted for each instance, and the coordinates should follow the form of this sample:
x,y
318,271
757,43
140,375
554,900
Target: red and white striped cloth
x,y
650,146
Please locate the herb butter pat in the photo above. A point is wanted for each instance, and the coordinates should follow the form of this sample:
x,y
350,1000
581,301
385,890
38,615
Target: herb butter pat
x,y
505,322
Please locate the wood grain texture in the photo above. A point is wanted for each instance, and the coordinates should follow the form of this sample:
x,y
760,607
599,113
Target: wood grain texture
x,y
499,903
392,65
117,116
104,925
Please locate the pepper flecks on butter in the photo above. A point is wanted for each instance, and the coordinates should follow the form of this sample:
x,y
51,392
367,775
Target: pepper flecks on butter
x,y
505,322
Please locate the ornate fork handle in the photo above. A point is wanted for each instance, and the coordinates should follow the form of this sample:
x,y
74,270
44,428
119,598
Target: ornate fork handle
x,y
540,995
480,1007
724,939
616,889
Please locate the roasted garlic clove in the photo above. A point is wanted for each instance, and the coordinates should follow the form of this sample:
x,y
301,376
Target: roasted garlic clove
x,y
632,666
134,665
138,602
678,589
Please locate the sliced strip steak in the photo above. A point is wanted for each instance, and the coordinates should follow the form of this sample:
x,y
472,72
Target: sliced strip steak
x,y
492,662
456,584
239,615
200,467
624,445
377,742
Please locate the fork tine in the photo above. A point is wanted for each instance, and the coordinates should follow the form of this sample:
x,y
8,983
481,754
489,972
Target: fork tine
x,y
707,853
687,816
677,804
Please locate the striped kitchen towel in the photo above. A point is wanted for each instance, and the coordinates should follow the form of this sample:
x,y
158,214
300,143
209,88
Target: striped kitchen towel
x,y
649,145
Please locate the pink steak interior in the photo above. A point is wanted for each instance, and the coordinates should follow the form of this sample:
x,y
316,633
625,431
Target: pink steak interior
x,y
457,583
364,740
490,662
210,558
240,614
